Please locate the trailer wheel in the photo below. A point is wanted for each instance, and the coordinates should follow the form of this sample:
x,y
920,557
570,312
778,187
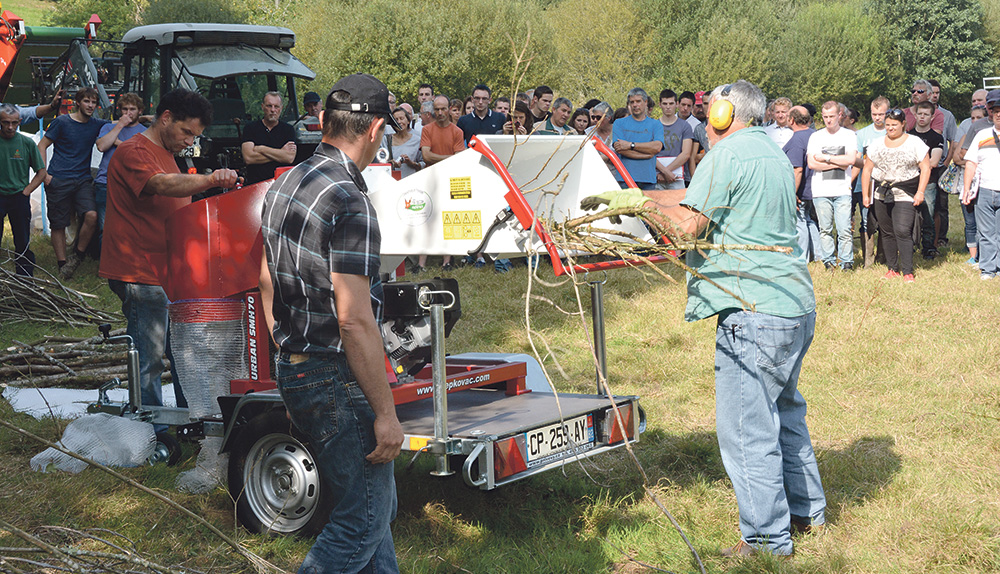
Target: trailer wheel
x,y
167,450
274,479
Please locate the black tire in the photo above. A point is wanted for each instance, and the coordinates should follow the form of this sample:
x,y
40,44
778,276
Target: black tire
x,y
167,450
274,479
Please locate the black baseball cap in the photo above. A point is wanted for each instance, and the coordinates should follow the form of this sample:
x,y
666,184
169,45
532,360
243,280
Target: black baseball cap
x,y
311,98
992,98
368,96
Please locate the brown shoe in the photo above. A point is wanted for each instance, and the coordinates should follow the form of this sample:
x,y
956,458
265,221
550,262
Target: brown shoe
x,y
801,526
741,550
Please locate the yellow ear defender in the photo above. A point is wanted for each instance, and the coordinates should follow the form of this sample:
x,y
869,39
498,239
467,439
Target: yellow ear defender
x,y
721,114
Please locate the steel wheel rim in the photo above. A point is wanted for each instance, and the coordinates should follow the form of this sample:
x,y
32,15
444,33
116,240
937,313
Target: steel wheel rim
x,y
281,483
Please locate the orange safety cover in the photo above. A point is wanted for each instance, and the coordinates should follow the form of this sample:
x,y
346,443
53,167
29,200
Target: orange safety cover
x,y
214,245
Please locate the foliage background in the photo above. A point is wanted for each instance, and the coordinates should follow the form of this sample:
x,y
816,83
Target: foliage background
x,y
808,50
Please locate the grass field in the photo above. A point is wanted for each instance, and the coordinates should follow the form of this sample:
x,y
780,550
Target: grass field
x,y
904,401
32,11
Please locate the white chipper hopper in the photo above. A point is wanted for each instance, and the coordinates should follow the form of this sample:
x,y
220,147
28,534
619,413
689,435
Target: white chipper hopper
x,y
449,208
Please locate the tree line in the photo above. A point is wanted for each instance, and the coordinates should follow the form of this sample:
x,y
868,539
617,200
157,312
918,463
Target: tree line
x,y
807,50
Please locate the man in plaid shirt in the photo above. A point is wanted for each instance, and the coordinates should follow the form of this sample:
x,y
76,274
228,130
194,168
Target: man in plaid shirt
x,y
323,300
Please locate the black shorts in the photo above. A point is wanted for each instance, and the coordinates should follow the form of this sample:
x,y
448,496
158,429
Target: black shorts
x,y
63,195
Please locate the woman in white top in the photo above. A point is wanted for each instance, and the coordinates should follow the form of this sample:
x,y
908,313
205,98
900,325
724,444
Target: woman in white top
x,y
900,167
984,157
405,146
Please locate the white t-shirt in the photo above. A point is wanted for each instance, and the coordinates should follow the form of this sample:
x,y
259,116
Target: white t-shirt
x,y
779,135
832,182
897,164
987,157
693,121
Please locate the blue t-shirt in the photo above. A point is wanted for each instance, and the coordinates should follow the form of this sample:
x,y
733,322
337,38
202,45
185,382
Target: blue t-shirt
x,y
744,187
126,133
866,135
795,149
73,142
630,130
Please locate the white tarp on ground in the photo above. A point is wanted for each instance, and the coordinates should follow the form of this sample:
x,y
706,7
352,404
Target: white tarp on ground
x,y
66,403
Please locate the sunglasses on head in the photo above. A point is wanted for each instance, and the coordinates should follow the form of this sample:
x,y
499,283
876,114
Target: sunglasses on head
x,y
896,114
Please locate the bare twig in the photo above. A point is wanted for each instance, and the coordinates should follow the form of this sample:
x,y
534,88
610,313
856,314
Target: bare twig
x,y
259,564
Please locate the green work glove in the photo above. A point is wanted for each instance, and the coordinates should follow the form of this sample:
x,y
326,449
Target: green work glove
x,y
631,197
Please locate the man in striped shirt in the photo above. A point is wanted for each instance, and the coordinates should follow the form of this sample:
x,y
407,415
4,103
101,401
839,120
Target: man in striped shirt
x,y
323,300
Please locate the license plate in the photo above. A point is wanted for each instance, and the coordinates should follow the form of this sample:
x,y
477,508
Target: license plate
x,y
573,433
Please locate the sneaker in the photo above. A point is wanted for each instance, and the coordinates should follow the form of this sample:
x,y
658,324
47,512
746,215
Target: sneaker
x,y
829,267
847,267
890,274
930,254
909,278
480,263
447,267
72,262
982,276
417,270
972,262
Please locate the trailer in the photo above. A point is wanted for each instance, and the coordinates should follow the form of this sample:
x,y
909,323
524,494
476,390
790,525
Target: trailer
x,y
493,417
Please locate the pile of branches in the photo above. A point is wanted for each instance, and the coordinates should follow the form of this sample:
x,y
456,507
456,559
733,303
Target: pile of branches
x,y
64,362
47,300
59,549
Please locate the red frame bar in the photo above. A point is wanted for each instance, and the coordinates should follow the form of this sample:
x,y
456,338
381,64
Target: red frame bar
x,y
526,216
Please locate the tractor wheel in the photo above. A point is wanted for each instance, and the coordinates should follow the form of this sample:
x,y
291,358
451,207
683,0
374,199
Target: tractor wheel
x,y
274,479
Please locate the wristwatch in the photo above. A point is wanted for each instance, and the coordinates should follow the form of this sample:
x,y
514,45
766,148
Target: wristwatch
x,y
631,145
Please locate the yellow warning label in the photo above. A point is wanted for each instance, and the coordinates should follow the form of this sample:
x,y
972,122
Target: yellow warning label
x,y
461,188
417,442
462,224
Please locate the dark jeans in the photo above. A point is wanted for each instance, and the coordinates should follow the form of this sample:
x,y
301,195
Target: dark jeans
x,y
17,208
941,211
895,223
326,404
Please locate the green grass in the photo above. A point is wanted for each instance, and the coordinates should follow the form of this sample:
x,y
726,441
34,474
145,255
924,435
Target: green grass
x,y
903,404
32,11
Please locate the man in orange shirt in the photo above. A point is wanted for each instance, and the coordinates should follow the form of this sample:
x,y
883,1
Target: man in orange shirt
x,y
144,188
442,138
438,141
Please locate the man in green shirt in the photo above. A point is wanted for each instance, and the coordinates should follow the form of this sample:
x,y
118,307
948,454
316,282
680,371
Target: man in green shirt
x,y
18,155
743,193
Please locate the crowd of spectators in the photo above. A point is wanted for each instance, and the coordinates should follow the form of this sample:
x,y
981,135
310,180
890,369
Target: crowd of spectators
x,y
661,144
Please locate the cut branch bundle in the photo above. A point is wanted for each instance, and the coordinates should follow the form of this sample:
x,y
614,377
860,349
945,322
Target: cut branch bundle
x,y
48,301
65,362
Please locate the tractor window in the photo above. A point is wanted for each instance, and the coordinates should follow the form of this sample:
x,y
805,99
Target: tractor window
x,y
144,77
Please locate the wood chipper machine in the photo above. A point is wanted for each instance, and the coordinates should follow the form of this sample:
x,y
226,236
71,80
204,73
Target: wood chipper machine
x,y
494,416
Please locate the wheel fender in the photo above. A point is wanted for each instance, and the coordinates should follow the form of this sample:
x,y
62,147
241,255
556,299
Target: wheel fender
x,y
242,408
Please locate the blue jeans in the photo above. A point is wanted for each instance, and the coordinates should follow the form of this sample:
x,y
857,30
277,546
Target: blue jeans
x,y
17,208
327,405
971,231
808,232
988,225
641,185
145,309
832,211
761,426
